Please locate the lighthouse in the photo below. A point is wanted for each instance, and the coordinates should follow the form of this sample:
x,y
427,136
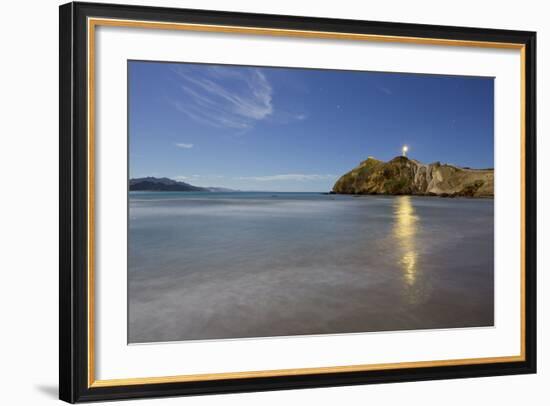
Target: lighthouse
x,y
404,151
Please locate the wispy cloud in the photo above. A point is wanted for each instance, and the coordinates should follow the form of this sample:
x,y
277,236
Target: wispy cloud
x,y
184,145
224,97
300,177
189,177
385,90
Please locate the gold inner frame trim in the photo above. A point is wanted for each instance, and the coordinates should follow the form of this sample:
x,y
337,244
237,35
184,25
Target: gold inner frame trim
x,y
94,22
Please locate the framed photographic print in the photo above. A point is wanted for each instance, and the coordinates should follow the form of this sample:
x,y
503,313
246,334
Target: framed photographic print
x,y
257,202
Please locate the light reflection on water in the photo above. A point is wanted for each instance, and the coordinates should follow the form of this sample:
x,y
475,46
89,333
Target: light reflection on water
x,y
405,229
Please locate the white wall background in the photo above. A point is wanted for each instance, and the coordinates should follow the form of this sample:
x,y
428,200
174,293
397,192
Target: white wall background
x,y
29,188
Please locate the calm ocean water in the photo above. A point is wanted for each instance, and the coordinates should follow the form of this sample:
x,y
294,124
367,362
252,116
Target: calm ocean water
x,y
233,265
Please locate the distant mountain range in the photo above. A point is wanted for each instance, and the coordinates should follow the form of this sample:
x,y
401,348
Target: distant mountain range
x,y
152,184
404,176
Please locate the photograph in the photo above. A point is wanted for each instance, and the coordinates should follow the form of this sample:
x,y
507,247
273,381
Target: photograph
x,y
283,201
255,201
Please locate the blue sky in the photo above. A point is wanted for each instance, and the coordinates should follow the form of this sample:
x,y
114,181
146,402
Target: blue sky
x,y
280,129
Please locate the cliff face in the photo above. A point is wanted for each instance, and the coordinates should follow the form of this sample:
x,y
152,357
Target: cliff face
x,y
404,176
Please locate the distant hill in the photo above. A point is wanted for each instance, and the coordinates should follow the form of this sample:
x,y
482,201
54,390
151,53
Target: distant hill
x,y
404,176
152,184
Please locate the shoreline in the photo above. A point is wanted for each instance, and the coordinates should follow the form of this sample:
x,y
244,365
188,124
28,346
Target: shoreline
x,y
331,193
441,195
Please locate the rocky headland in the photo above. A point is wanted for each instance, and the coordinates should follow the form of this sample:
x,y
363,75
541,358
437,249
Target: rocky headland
x,y
404,176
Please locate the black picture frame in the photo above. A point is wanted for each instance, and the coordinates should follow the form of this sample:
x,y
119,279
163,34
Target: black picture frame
x,y
73,256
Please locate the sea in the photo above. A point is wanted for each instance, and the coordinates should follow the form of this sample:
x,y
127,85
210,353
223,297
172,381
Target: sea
x,y
212,266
